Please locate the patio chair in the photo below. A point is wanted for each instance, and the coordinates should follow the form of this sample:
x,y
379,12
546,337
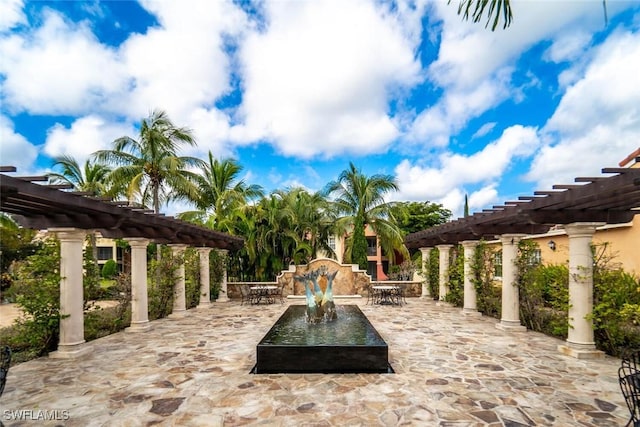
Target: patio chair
x,y
629,380
5,361
279,293
373,296
245,292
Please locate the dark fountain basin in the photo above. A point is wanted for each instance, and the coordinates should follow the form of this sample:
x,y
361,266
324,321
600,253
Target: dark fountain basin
x,y
350,344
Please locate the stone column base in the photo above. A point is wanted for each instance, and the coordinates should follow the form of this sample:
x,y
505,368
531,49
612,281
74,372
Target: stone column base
x,y
223,298
71,351
471,312
511,326
443,304
427,297
202,305
139,327
580,353
178,314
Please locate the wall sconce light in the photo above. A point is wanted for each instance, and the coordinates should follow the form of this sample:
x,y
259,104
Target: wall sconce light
x,y
552,245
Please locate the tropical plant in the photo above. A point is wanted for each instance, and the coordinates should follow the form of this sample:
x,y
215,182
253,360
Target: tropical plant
x,y
91,178
359,202
220,193
149,168
475,9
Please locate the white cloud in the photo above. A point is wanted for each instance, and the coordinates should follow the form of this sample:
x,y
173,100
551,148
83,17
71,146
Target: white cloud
x,y
597,122
474,64
442,183
60,68
11,14
85,136
181,65
484,130
568,46
318,79
15,149
482,198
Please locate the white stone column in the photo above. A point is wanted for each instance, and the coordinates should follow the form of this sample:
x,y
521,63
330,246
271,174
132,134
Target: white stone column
x,y
223,296
510,319
426,292
205,281
71,294
179,293
470,307
580,340
443,276
139,294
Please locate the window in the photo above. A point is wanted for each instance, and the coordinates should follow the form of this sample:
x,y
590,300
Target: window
x,y
105,253
372,247
536,257
497,265
332,243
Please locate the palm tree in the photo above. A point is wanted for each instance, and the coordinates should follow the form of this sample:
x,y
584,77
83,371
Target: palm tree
x,y
309,223
360,202
92,178
149,168
494,9
220,192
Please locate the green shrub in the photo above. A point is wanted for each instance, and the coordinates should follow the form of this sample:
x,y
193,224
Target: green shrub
x,y
109,269
455,295
37,290
616,304
488,295
217,265
192,277
164,274
433,273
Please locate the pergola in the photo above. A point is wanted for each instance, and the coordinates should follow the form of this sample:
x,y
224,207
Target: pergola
x,y
580,208
71,214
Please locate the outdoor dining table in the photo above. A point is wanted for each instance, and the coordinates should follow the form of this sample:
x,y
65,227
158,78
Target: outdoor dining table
x,y
258,293
388,295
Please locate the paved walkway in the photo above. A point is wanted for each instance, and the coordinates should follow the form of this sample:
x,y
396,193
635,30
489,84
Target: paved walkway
x,y
194,371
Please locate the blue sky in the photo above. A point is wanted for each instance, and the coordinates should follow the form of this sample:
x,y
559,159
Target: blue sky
x,y
295,90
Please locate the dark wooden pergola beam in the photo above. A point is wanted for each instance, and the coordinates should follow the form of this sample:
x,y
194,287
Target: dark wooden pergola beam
x,y
612,200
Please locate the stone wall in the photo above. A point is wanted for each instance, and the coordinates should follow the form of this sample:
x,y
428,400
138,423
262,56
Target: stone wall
x,y
349,280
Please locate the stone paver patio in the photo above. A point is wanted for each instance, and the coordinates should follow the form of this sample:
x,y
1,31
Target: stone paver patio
x,y
451,370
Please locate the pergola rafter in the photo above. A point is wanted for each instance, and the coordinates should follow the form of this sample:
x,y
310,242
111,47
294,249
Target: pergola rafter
x,y
612,200
46,206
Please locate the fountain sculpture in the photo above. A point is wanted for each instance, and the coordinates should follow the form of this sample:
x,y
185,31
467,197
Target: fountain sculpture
x,y
320,305
320,337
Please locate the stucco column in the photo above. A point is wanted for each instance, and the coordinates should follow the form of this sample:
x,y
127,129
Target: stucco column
x,y
179,293
205,283
426,292
223,296
580,340
139,295
71,294
443,276
510,319
470,299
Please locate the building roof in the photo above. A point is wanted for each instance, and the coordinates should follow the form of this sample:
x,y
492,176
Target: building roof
x,y
631,157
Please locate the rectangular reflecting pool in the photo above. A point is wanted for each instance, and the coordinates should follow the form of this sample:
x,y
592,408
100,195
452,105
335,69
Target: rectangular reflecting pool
x,y
349,344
